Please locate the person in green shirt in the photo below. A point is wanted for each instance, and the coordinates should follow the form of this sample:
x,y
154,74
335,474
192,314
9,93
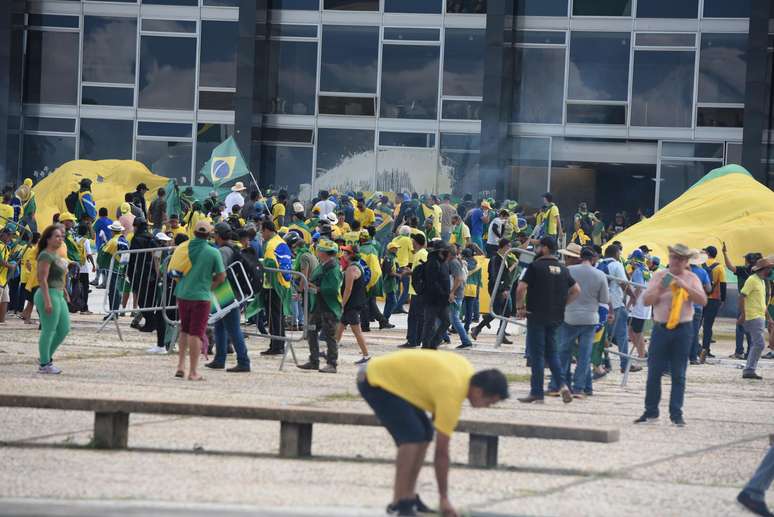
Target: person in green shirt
x,y
193,293
391,277
326,283
51,298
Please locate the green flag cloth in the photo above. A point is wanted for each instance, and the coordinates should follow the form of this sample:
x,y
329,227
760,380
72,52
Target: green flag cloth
x,y
225,164
328,278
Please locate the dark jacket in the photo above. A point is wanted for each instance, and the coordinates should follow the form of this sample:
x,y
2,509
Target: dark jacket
x,y
437,281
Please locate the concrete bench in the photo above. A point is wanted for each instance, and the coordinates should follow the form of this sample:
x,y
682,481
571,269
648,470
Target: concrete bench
x,y
111,423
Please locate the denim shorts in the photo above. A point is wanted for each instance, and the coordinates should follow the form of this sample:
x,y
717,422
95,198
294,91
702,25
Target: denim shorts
x,y
405,422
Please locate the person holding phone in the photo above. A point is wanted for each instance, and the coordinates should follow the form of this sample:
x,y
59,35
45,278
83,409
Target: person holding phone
x,y
671,293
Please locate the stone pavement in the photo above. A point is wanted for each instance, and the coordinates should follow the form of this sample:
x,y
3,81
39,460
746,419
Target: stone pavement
x,y
195,466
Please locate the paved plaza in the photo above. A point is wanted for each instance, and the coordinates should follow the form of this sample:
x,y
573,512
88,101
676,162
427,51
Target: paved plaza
x,y
196,466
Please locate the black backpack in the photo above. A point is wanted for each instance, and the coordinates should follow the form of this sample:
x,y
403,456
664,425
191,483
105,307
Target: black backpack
x,y
418,278
253,268
72,201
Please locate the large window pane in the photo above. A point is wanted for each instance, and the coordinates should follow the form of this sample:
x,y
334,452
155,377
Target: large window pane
x,y
208,136
538,90
460,160
340,105
466,6
541,8
287,167
43,154
726,9
352,5
167,68
662,89
345,159
412,6
526,172
103,139
292,75
668,9
308,5
722,67
51,75
107,96
596,114
602,8
169,159
463,62
677,177
109,46
349,59
409,81
218,54
599,66
410,170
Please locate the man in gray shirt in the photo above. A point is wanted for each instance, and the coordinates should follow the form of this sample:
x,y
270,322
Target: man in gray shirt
x,y
458,276
581,318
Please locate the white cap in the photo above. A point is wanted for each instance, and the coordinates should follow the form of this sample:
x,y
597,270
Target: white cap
x,y
161,236
298,207
116,227
331,218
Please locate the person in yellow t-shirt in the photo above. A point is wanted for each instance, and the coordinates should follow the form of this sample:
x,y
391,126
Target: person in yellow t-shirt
x,y
278,210
341,222
547,219
753,315
365,216
29,277
401,388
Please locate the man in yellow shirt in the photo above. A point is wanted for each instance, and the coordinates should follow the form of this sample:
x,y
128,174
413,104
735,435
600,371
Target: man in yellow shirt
x,y
753,314
278,210
403,257
547,220
364,215
6,266
402,388
417,307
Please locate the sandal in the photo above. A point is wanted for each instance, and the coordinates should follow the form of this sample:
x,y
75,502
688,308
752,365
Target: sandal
x,y
180,374
199,378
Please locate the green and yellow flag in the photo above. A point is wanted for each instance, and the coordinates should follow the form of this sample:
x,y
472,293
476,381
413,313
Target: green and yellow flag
x,y
225,164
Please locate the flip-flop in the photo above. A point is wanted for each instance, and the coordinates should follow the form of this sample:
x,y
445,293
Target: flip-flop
x,y
180,374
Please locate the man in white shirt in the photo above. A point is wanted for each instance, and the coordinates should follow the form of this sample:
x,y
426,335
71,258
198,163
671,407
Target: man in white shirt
x,y
325,205
496,232
617,279
87,266
235,198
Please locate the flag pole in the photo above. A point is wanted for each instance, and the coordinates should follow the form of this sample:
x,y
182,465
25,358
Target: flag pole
x,y
256,184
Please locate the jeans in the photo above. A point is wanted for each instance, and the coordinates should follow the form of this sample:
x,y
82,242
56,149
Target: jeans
x,y
756,329
697,319
710,312
445,235
434,325
457,323
227,328
581,381
761,480
415,318
404,291
619,334
390,302
298,311
541,343
491,250
114,293
468,308
741,333
668,350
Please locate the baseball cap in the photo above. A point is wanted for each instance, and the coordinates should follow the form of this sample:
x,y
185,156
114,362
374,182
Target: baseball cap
x,y
203,227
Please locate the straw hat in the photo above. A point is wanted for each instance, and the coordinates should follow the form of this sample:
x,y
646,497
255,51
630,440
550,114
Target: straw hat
x,y
763,263
681,250
116,227
572,250
238,187
699,258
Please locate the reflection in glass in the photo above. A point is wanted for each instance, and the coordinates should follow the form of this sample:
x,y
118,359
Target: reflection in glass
x,y
52,20
58,125
599,66
42,154
292,75
208,136
597,8
345,159
218,63
461,110
544,37
677,177
167,67
595,114
692,150
541,8
412,34
222,3
668,9
722,68
526,171
286,134
662,89
538,90
463,62
168,159
109,46
168,26
398,139
660,39
409,81
287,167
726,9
720,117
349,59
103,139
107,96
412,6
292,31
459,161
352,5
305,5
466,6
51,73
169,129
356,106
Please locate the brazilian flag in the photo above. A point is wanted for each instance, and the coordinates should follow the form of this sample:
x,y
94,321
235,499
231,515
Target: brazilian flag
x,y
225,164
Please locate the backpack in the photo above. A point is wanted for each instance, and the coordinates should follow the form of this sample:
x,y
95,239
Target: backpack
x,y
418,278
72,201
253,268
604,265
365,270
709,269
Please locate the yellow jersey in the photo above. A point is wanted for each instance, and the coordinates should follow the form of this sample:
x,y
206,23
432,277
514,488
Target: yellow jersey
x,y
365,217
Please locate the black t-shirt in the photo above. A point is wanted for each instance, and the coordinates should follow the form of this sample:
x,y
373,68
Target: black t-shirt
x,y
548,282
742,274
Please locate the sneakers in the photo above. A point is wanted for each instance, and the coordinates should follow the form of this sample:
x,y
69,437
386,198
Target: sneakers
x,y
464,345
566,394
551,393
677,421
645,419
407,345
752,375
328,368
272,351
408,507
308,366
388,325
732,356
212,365
635,368
363,360
475,332
156,350
756,507
769,355
421,507
530,399
238,369
49,369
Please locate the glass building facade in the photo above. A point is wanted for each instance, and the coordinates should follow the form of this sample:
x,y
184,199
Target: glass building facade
x,y
620,103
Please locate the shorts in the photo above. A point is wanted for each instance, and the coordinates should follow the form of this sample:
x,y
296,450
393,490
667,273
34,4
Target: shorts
x,y
405,422
350,316
637,325
193,316
5,294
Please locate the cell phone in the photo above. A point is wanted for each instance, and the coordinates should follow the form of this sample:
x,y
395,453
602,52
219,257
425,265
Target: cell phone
x,y
667,280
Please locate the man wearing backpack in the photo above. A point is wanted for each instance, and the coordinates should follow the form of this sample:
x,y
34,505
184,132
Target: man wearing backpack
x,y
619,288
436,295
353,299
716,297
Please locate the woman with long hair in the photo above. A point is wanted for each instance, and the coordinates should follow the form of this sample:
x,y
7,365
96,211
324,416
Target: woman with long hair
x,y
51,298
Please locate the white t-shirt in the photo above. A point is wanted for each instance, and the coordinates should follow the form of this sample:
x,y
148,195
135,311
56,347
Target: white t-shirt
x,y
639,309
232,200
498,224
86,267
326,206
616,270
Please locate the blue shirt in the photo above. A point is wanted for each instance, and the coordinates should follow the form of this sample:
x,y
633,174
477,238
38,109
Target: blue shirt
x,y
476,222
102,232
703,278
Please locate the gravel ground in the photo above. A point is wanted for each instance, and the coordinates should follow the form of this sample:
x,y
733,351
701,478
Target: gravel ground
x,y
196,466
